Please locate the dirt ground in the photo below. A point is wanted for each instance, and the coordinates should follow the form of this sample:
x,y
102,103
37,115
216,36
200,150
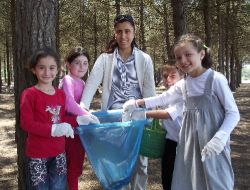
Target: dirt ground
x,y
240,143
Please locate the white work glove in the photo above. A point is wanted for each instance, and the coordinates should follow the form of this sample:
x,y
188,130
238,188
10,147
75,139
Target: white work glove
x,y
126,116
135,115
83,106
62,129
129,106
87,119
215,145
138,115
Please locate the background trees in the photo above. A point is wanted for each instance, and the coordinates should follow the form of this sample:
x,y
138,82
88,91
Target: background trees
x,y
224,26
26,25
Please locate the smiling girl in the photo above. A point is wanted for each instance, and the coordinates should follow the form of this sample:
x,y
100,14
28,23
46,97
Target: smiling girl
x,y
77,62
210,114
42,116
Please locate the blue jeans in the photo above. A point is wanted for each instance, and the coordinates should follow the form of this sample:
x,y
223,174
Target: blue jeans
x,y
47,173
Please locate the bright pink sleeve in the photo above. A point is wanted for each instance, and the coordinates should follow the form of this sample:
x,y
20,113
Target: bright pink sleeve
x,y
27,116
72,106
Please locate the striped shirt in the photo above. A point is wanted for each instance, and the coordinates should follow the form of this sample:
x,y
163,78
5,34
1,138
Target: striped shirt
x,y
125,83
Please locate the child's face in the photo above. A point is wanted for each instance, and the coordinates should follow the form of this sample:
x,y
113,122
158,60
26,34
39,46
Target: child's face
x,y
170,77
79,66
188,59
46,70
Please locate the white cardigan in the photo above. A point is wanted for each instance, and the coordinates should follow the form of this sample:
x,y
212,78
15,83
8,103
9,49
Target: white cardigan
x,y
102,72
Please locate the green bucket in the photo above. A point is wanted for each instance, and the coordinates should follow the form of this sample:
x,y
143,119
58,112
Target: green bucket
x,y
153,140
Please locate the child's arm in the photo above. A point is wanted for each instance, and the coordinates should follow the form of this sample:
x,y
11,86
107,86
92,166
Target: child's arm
x,y
173,94
157,114
232,117
27,117
225,96
71,105
93,81
172,112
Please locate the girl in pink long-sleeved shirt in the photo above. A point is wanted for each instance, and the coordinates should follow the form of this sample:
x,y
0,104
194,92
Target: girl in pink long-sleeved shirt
x,y
73,86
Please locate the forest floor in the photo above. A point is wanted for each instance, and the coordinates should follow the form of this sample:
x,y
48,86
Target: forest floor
x,y
240,143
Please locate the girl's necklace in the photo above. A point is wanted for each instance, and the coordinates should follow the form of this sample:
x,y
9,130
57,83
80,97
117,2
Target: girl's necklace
x,y
49,91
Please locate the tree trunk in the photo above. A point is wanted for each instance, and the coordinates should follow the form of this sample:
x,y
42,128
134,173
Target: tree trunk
x,y
35,26
118,7
166,30
142,30
108,33
207,22
227,51
5,68
95,33
13,33
232,68
57,29
82,25
236,10
1,75
221,41
238,68
8,60
234,63
179,17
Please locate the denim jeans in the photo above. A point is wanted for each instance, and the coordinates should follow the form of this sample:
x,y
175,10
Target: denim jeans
x,y
47,173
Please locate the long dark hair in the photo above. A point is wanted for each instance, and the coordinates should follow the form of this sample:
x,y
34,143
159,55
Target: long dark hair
x,y
112,44
199,45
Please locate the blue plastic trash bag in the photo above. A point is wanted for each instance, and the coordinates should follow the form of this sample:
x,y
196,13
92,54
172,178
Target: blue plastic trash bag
x,y
112,147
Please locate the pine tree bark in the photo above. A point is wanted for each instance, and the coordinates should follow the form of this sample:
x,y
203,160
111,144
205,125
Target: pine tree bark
x,y
142,27
179,17
207,22
118,7
1,75
166,30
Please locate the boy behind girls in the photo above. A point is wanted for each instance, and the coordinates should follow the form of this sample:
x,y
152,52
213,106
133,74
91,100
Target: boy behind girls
x,y
170,115
170,75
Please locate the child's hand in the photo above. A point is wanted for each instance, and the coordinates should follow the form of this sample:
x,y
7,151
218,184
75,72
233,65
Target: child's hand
x,y
62,129
94,119
87,119
129,106
135,115
83,106
215,145
138,115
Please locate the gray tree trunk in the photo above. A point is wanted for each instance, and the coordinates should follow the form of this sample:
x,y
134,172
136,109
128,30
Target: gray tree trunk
x,y
142,28
179,17
166,30
207,22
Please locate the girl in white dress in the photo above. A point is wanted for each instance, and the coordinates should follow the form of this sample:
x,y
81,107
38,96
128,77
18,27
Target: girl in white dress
x,y
210,114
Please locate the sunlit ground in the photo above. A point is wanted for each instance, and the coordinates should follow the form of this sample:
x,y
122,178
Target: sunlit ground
x,y
246,81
